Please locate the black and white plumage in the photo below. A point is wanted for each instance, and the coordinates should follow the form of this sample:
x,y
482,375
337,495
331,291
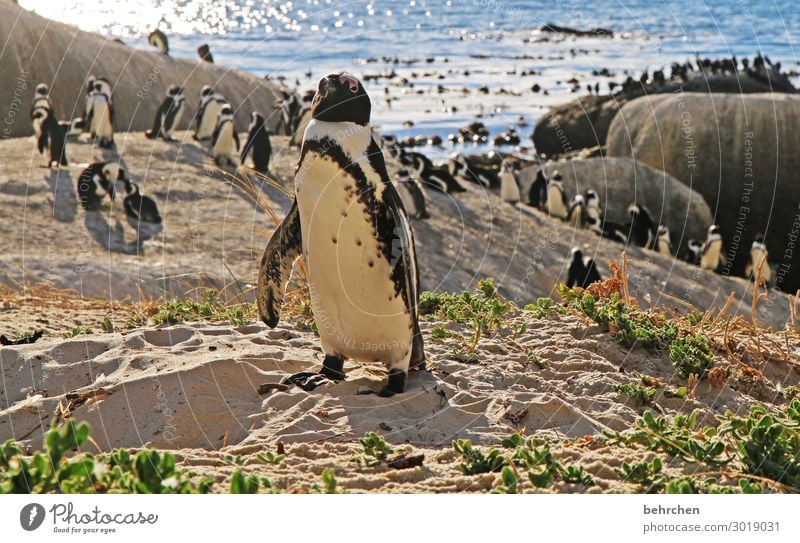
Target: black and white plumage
x,y
712,253
159,40
97,181
349,224
758,259
204,52
436,178
537,192
576,215
168,115
509,186
257,145
100,113
50,136
412,196
582,270
225,140
693,251
557,203
73,128
139,208
460,167
662,243
642,226
41,100
207,116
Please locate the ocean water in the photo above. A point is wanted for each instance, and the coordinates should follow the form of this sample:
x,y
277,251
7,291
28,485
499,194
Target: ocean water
x,y
460,45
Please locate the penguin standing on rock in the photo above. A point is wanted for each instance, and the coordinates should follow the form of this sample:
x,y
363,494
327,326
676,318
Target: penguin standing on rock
x,y
582,271
693,251
159,40
712,253
758,257
437,178
643,229
662,242
557,205
225,140
258,145
50,136
577,212
537,192
351,228
169,114
412,196
41,100
98,180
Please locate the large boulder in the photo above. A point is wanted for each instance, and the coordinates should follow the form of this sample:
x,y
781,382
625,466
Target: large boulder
x,y
37,50
739,152
576,125
622,181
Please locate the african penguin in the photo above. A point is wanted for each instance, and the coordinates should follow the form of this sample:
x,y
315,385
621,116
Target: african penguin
x,y
576,215
159,40
139,208
662,243
257,145
758,257
98,180
204,52
712,253
41,100
509,188
349,224
557,204
460,167
208,113
412,196
537,192
582,271
693,249
101,114
73,128
89,90
168,115
437,178
50,136
225,140
643,229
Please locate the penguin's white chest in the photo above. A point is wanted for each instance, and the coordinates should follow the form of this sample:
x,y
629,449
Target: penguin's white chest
x,y
209,119
177,119
101,119
225,145
509,191
358,313
555,203
711,258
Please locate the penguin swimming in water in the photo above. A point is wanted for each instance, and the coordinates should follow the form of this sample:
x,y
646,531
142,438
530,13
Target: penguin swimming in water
x,y
662,243
159,40
537,192
412,196
257,145
758,257
50,136
101,114
98,180
168,115
225,140
208,113
582,271
139,208
461,168
643,229
204,52
557,204
693,251
509,188
712,253
350,225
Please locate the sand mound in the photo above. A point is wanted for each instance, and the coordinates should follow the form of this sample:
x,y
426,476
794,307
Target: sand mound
x,y
38,50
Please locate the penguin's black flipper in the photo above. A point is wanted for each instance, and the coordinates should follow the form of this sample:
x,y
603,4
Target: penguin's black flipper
x,y
248,145
284,247
43,141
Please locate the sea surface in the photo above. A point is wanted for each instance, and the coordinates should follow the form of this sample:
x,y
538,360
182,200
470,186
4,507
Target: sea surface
x,y
460,45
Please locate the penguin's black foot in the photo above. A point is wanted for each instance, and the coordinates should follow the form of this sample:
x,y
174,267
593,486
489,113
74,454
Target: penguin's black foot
x,y
332,368
149,134
395,385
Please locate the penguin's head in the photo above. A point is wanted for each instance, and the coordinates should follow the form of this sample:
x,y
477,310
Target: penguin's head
x,y
713,230
555,178
591,196
42,89
256,119
226,111
174,90
341,98
90,83
206,91
575,255
578,200
634,210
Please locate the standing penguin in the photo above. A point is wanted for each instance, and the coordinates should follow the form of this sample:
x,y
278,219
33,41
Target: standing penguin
x,y
431,176
693,249
50,136
101,114
643,229
204,52
712,253
557,205
461,167
758,257
411,195
208,113
577,212
537,193
96,181
159,40
349,224
41,100
169,114
662,242
582,271
257,145
509,188
225,140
